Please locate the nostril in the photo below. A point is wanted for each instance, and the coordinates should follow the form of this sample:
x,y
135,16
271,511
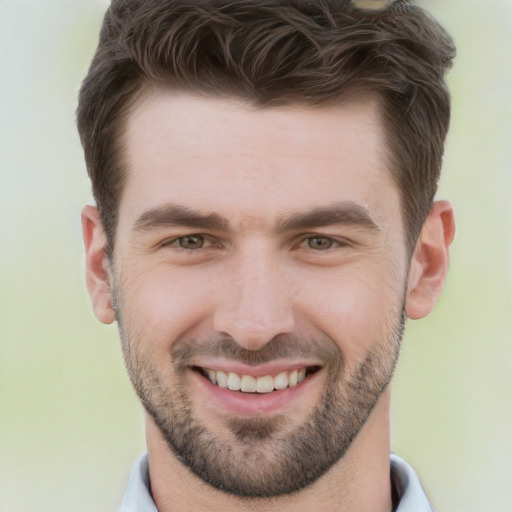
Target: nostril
x,y
251,333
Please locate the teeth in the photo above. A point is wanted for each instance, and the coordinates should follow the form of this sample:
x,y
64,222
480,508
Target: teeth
x,y
234,381
292,379
265,384
211,375
281,381
250,384
221,378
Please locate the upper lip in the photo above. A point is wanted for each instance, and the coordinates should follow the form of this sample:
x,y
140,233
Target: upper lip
x,y
260,370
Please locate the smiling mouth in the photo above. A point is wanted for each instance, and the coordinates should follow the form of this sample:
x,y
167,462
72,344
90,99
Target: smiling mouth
x,y
250,384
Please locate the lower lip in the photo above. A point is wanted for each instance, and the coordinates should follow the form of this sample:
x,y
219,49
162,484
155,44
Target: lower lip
x,y
255,404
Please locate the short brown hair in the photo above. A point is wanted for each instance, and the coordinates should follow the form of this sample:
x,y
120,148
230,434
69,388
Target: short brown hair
x,y
272,52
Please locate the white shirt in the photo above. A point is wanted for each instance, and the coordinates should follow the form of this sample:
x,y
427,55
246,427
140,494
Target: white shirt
x,y
408,487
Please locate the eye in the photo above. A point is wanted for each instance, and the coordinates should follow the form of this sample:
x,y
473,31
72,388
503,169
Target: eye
x,y
193,242
190,242
320,243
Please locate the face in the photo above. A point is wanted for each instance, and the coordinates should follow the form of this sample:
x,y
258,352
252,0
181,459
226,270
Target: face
x,y
258,279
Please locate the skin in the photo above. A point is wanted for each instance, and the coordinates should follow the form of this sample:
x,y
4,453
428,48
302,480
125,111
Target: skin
x,y
301,237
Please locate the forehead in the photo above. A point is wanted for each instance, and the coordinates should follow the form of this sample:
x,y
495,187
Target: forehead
x,y
223,156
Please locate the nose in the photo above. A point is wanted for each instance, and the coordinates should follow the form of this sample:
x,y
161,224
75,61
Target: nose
x,y
255,301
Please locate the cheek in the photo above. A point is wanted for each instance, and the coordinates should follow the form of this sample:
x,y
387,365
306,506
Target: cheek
x,y
357,309
163,306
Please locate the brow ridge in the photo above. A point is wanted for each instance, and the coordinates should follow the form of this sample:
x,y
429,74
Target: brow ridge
x,y
178,215
346,212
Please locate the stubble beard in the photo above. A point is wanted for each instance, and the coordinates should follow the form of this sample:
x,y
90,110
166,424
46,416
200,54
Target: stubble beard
x,y
262,457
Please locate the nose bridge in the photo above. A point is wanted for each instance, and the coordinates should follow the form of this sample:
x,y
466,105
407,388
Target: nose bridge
x,y
256,303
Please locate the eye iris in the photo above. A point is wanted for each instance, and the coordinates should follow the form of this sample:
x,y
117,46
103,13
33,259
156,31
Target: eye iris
x,y
320,243
191,242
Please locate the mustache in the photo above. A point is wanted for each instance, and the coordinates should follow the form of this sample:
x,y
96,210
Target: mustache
x,y
283,346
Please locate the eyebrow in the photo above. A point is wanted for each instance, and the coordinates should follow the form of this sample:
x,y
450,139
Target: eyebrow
x,y
338,213
177,215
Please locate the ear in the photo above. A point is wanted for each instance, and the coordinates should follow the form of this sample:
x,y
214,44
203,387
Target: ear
x,y
97,275
429,263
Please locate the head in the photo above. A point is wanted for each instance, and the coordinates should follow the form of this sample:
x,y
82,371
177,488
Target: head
x,y
263,172
298,52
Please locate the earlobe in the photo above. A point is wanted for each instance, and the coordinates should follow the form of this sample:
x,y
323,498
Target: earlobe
x,y
429,263
97,275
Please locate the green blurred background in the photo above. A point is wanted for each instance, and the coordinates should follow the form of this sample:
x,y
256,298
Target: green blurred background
x,y
70,425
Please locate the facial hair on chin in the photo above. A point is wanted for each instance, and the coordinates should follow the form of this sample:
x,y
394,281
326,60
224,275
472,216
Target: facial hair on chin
x,y
260,457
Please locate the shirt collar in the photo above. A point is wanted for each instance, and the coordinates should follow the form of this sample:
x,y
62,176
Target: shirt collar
x,y
138,496
407,484
411,496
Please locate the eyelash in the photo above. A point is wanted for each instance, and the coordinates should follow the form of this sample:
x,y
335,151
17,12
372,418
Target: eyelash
x,y
176,241
333,243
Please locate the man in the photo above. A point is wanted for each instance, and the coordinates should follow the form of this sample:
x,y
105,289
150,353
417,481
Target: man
x,y
265,174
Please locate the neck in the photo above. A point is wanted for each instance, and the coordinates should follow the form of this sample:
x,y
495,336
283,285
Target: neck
x,y
359,482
